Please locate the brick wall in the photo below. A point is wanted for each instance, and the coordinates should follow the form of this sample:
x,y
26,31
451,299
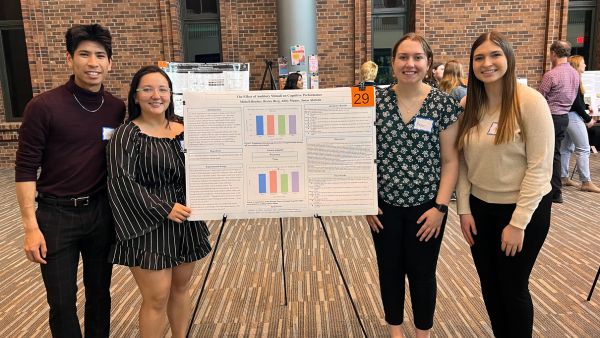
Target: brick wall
x,y
249,34
144,32
451,26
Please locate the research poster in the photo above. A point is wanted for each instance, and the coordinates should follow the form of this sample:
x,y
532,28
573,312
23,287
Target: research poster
x,y
591,83
206,77
292,153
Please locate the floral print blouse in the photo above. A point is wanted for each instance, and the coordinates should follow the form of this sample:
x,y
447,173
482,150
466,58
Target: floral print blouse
x,y
409,162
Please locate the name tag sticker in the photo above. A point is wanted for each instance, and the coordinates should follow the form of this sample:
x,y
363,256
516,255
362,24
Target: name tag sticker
x,y
423,124
107,133
493,128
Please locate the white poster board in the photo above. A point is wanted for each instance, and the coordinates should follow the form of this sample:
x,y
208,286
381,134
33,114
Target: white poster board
x,y
290,153
591,83
206,77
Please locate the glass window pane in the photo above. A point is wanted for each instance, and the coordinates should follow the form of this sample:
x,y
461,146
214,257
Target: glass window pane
x,y
202,42
386,31
17,70
378,4
201,6
10,10
579,32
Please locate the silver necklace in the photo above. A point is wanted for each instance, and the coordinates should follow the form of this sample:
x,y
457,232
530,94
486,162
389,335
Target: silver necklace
x,y
88,110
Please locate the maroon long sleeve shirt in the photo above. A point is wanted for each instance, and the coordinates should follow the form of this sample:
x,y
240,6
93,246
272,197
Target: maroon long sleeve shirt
x,y
67,142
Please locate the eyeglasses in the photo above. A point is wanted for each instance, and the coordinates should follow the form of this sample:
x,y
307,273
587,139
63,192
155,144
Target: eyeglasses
x,y
163,91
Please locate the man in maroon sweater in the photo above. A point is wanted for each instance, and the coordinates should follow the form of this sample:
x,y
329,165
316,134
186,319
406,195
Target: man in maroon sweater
x,y
64,133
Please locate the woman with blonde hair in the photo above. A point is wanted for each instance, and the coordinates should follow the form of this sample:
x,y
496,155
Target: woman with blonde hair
x,y
504,192
453,82
576,138
368,73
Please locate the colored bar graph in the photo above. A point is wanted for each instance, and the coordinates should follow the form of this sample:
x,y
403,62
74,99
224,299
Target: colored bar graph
x,y
272,181
260,128
295,181
270,125
262,183
292,124
284,182
281,124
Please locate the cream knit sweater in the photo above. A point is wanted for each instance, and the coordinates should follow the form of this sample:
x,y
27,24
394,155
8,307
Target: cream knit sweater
x,y
517,172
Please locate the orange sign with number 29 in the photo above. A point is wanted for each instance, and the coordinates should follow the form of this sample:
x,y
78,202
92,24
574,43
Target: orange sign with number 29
x,y
363,98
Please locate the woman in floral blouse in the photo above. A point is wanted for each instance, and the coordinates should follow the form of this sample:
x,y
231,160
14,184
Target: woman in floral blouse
x,y
417,171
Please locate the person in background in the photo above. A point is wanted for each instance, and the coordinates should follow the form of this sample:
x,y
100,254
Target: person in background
x,y
453,81
416,173
146,186
434,74
368,73
559,86
576,137
294,81
504,192
64,133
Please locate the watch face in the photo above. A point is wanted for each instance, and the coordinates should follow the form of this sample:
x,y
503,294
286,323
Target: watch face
x,y
442,207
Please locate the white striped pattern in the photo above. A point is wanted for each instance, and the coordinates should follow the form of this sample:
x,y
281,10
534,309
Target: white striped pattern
x,y
146,177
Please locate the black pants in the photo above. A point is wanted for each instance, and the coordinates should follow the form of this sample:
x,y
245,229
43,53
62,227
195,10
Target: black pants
x,y
399,254
70,231
505,280
561,122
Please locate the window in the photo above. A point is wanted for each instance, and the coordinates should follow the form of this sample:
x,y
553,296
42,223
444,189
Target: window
x,y
580,29
14,67
389,22
201,31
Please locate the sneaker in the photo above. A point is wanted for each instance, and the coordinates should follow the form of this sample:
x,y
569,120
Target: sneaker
x,y
453,197
557,198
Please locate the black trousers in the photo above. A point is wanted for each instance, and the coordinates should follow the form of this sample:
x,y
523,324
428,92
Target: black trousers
x,y
561,122
70,231
399,254
505,280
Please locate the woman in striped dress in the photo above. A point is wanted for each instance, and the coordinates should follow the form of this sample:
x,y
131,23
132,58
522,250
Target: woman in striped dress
x,y
146,185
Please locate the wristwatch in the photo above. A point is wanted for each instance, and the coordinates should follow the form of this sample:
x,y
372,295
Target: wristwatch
x,y
441,207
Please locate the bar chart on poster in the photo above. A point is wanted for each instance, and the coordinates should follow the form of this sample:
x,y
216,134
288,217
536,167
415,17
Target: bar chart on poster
x,y
279,154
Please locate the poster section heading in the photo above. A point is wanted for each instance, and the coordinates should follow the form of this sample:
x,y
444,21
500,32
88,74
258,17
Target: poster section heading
x,y
293,153
206,77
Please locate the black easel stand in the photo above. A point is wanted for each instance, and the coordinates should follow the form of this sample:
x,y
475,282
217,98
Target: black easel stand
x,y
212,258
282,271
342,275
594,285
268,69
285,302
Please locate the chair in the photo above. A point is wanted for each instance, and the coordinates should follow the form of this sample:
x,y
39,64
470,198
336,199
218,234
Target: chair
x,y
594,285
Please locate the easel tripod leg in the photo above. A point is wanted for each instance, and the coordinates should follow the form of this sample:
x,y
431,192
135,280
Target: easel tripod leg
x,y
285,300
212,258
342,275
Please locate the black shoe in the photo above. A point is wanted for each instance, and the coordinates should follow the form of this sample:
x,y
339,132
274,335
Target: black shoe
x,y
557,198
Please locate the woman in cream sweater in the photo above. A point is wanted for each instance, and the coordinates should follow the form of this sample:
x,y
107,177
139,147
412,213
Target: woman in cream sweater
x,y
506,145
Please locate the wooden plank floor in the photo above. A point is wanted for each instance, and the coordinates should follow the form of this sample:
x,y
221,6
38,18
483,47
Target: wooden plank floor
x,y
244,295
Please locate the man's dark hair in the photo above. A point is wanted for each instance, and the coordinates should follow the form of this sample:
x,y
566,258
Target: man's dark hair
x,y
562,49
79,33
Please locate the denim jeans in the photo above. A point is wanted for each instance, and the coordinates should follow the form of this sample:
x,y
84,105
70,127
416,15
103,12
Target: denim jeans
x,y
576,139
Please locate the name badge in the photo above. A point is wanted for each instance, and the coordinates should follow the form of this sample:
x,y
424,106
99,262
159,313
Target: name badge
x,y
107,133
423,124
493,128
